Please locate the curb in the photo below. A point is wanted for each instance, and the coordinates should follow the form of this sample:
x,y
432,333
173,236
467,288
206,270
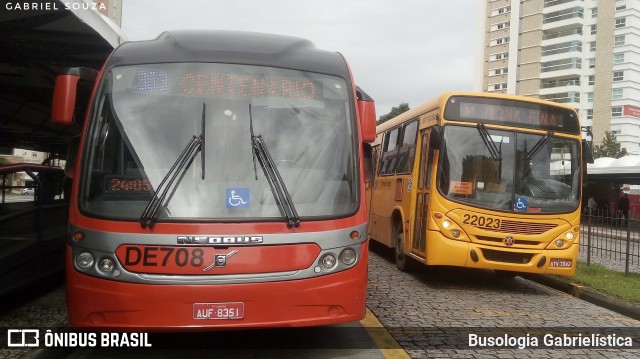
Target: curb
x,y
587,294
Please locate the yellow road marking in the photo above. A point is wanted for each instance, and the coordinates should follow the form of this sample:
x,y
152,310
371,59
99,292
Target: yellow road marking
x,y
387,345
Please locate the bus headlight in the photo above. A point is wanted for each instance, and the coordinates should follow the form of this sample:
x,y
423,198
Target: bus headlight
x,y
569,236
348,256
106,265
328,261
446,224
455,233
85,260
559,243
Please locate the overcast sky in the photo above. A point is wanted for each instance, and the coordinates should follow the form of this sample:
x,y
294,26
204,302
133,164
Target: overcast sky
x,y
398,50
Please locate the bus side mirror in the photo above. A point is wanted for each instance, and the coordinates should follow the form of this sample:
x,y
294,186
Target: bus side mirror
x,y
368,162
64,99
367,114
65,92
435,137
72,153
587,151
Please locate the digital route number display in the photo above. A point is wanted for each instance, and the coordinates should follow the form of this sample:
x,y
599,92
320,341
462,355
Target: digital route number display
x,y
127,185
511,112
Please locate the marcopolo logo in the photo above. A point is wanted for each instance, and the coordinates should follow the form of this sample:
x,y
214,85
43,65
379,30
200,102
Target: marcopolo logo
x,y
20,338
220,240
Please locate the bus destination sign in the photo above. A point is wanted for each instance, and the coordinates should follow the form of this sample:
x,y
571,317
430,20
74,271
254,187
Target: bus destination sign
x,y
245,86
227,85
511,112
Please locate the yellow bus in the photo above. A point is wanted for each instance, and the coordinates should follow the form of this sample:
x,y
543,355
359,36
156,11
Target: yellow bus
x,y
480,180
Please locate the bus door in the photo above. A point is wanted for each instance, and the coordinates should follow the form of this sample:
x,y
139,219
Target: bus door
x,y
422,193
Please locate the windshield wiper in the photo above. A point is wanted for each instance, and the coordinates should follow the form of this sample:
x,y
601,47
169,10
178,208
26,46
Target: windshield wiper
x,y
488,142
150,213
253,150
281,194
538,146
202,139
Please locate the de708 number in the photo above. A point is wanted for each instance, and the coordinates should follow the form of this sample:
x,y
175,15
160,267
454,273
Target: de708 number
x,y
161,256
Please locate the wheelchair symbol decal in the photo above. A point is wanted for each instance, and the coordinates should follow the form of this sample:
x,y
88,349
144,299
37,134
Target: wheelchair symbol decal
x,y
521,204
237,198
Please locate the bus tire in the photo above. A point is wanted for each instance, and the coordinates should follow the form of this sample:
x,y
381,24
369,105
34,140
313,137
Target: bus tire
x,y
403,262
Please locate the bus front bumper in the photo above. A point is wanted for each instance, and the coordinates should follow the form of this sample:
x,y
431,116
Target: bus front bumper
x,y
445,251
330,299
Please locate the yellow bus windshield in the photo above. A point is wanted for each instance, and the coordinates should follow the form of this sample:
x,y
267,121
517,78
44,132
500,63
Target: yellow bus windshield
x,y
510,171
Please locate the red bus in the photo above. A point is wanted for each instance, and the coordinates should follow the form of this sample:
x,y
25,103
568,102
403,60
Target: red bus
x,y
218,182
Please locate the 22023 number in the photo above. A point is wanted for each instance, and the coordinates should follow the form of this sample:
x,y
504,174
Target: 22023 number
x,y
481,221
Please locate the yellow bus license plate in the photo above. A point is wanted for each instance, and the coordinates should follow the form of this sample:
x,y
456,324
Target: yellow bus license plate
x,y
561,263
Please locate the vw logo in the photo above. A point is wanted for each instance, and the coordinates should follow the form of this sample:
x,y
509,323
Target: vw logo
x,y
509,241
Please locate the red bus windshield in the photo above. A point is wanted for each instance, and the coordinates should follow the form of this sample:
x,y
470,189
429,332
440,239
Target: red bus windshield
x,y
147,114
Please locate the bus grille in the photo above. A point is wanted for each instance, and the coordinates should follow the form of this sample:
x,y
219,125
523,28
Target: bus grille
x,y
506,257
494,240
525,227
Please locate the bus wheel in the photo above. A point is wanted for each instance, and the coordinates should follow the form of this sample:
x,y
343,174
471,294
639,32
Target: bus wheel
x,y
402,261
505,274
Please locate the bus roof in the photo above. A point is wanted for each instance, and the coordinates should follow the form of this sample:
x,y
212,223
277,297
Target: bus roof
x,y
412,113
436,102
234,47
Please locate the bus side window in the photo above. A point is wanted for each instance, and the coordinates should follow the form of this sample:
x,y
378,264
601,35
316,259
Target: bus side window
x,y
407,153
389,154
375,158
430,159
423,156
426,161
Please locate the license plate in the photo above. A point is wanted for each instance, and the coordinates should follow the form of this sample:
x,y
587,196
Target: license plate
x,y
233,310
560,263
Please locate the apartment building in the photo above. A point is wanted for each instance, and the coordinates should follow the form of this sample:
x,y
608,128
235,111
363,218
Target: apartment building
x,y
583,53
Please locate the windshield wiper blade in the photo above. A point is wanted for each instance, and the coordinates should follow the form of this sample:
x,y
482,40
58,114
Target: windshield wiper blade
x,y
202,139
253,150
278,187
488,142
149,215
538,146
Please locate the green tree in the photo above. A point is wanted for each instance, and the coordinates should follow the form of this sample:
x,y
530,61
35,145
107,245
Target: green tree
x,y
609,147
395,111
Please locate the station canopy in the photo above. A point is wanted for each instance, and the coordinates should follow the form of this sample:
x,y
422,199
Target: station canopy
x,y
36,46
623,170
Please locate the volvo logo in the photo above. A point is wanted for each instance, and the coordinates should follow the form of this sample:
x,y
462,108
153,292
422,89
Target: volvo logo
x,y
509,241
220,260
220,240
